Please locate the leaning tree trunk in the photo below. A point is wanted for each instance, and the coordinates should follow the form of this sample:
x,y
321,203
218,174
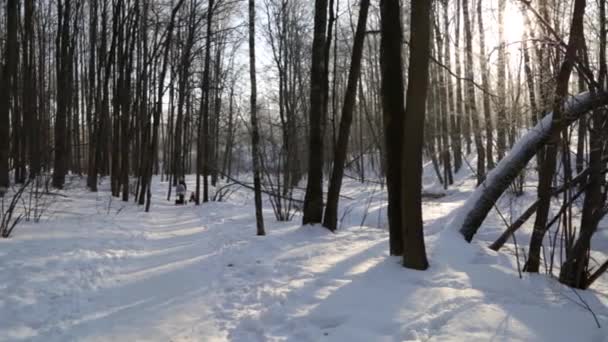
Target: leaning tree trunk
x,y
479,204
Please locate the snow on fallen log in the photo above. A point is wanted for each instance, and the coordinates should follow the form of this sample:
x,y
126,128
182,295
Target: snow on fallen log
x,y
481,201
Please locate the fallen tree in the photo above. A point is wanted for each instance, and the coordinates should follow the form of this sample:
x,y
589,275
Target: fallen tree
x,y
479,204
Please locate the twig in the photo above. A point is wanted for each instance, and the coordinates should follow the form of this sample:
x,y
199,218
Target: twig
x,y
587,306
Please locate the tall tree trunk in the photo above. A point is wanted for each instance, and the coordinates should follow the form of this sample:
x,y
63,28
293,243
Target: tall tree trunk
x,y
393,113
63,75
29,98
415,252
313,200
443,111
470,104
92,113
203,130
487,110
6,83
458,110
502,123
529,75
255,135
330,220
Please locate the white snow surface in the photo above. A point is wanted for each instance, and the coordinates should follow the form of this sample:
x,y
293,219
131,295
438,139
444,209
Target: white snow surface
x,y
101,270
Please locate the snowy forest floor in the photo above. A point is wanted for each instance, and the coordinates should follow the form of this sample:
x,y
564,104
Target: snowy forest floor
x,y
97,269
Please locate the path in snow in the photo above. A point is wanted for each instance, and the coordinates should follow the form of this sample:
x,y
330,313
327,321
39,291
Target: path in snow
x,y
101,271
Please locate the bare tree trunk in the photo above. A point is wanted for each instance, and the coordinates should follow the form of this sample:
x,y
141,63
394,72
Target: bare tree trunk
x,y
203,131
313,200
29,97
470,104
63,75
415,252
487,110
443,111
529,75
6,82
255,135
230,134
393,113
330,220
458,110
92,113
502,123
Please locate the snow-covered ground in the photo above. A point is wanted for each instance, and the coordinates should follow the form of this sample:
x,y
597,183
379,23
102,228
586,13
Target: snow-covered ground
x,y
101,270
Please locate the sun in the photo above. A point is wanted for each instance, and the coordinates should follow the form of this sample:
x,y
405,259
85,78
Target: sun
x,y
514,23
513,30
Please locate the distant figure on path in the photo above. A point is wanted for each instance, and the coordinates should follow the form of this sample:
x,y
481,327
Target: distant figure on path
x,y
180,190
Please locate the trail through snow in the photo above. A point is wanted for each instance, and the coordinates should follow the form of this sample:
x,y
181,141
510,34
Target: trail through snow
x,y
101,270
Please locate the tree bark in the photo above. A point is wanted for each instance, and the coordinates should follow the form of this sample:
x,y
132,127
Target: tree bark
x,y
502,123
470,104
330,220
393,114
6,82
487,110
63,75
255,135
313,200
415,252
